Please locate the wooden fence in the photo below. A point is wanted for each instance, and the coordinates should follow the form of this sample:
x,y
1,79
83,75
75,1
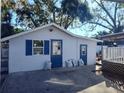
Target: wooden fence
x,y
114,54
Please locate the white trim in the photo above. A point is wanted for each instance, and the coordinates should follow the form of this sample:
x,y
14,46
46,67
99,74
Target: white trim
x,y
45,26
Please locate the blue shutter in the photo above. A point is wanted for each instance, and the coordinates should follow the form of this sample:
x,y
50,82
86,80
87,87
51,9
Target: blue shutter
x,y
46,47
28,47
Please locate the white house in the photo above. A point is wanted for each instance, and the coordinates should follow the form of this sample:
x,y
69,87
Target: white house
x,y
31,49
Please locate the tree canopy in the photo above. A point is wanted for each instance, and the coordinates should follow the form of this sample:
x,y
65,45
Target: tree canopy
x,y
42,12
28,14
7,28
34,13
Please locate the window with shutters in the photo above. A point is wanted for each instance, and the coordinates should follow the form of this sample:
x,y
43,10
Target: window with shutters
x,y
38,47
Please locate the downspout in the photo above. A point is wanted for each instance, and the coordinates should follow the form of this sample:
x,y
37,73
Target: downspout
x,y
102,52
77,49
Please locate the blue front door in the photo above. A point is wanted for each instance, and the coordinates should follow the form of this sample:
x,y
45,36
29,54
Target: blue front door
x,y
83,53
56,53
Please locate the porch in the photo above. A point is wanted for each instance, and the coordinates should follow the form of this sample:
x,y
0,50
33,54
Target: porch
x,y
113,59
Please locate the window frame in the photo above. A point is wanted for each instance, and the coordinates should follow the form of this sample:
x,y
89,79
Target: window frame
x,y
42,47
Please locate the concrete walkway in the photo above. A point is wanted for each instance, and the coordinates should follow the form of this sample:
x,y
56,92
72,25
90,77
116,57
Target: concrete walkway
x,y
75,80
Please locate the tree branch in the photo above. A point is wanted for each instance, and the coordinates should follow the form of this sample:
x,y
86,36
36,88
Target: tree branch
x,y
67,19
54,20
115,12
106,21
106,11
69,24
100,25
35,24
61,17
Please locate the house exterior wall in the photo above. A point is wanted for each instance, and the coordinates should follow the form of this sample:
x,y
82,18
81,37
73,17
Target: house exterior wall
x,y
91,50
18,61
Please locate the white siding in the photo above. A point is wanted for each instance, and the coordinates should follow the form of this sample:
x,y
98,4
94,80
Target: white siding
x,y
18,61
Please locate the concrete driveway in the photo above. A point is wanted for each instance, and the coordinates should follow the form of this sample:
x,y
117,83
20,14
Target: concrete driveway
x,y
73,80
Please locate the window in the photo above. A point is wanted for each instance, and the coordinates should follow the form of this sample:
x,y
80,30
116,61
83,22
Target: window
x,y
56,48
83,50
38,47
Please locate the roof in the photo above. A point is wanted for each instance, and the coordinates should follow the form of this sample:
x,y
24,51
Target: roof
x,y
113,34
45,26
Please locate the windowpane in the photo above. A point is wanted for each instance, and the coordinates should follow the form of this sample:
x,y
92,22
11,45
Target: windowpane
x,y
38,51
83,50
37,43
56,48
